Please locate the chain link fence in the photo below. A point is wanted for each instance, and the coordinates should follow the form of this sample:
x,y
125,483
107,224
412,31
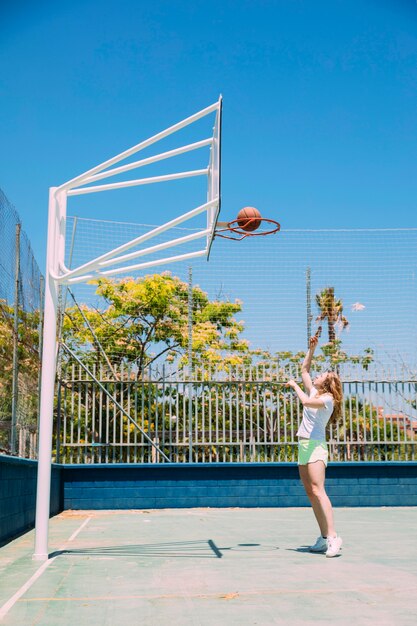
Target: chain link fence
x,y
188,363
191,364
21,298
255,298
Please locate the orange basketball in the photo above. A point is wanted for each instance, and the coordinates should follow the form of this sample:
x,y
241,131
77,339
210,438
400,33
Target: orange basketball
x,y
247,218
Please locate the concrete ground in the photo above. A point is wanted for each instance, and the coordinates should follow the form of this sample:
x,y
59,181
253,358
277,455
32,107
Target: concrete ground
x,y
213,567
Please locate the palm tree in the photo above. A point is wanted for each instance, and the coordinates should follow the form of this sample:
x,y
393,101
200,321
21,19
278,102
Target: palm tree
x,y
331,310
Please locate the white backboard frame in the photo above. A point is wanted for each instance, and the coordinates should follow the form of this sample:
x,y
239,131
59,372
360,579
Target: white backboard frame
x,y
58,274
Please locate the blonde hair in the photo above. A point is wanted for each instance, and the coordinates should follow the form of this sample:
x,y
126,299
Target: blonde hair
x,y
333,386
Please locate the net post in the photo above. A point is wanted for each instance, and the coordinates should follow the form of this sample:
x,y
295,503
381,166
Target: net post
x,y
308,304
190,369
40,348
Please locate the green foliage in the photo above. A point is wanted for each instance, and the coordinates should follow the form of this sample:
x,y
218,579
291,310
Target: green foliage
x,y
147,318
332,354
331,311
28,363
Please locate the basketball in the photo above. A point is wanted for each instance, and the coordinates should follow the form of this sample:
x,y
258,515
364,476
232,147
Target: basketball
x,y
246,218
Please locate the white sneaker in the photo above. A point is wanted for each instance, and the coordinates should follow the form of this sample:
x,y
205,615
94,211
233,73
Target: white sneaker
x,y
334,546
320,545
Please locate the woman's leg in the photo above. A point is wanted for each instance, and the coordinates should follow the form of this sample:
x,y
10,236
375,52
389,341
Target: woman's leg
x,y
312,476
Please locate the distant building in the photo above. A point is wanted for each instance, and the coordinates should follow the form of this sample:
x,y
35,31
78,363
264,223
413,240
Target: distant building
x,y
400,419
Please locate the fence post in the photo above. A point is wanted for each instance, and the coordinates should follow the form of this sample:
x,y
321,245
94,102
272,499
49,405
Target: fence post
x,y
154,451
58,421
190,367
15,386
40,344
308,298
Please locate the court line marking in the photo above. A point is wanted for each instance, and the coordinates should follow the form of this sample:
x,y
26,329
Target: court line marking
x,y
223,595
27,585
12,601
74,534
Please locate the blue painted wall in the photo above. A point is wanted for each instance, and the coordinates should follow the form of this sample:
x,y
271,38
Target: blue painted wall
x,y
18,495
242,485
181,486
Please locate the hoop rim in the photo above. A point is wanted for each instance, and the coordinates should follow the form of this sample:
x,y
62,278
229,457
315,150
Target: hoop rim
x,y
233,227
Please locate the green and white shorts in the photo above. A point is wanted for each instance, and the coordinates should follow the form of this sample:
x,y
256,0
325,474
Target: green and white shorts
x,y
312,450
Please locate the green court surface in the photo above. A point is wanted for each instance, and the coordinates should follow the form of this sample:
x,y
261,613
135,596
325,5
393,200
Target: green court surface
x,y
213,566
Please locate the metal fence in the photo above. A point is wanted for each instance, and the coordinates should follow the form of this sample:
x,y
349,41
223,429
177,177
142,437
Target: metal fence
x,y
21,296
241,415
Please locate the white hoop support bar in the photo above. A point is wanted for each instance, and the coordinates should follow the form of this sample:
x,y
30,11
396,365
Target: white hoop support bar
x,y
149,160
139,266
140,181
94,264
161,246
167,260
140,146
133,255
57,273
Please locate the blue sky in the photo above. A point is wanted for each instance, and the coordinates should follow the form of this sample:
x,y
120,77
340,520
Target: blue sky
x,y
320,125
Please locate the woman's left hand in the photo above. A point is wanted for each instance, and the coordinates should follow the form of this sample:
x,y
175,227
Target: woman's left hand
x,y
291,383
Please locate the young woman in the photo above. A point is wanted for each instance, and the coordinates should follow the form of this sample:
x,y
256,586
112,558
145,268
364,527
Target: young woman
x,y
321,405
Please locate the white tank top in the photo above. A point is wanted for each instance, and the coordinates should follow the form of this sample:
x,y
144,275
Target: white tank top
x,y
315,421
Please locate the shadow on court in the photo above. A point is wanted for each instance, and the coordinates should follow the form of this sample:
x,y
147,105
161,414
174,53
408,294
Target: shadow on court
x,y
306,549
180,549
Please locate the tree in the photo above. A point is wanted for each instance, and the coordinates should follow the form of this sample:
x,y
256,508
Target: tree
x,y
147,318
331,311
28,366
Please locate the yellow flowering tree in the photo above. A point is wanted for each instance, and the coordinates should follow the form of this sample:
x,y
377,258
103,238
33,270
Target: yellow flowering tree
x,y
146,318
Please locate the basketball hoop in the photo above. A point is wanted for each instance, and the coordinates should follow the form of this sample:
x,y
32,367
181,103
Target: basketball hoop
x,y
233,228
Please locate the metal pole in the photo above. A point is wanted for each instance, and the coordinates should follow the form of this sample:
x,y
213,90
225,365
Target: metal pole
x,y
64,290
79,191
190,364
15,386
62,304
40,346
97,263
49,352
308,294
149,160
58,421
